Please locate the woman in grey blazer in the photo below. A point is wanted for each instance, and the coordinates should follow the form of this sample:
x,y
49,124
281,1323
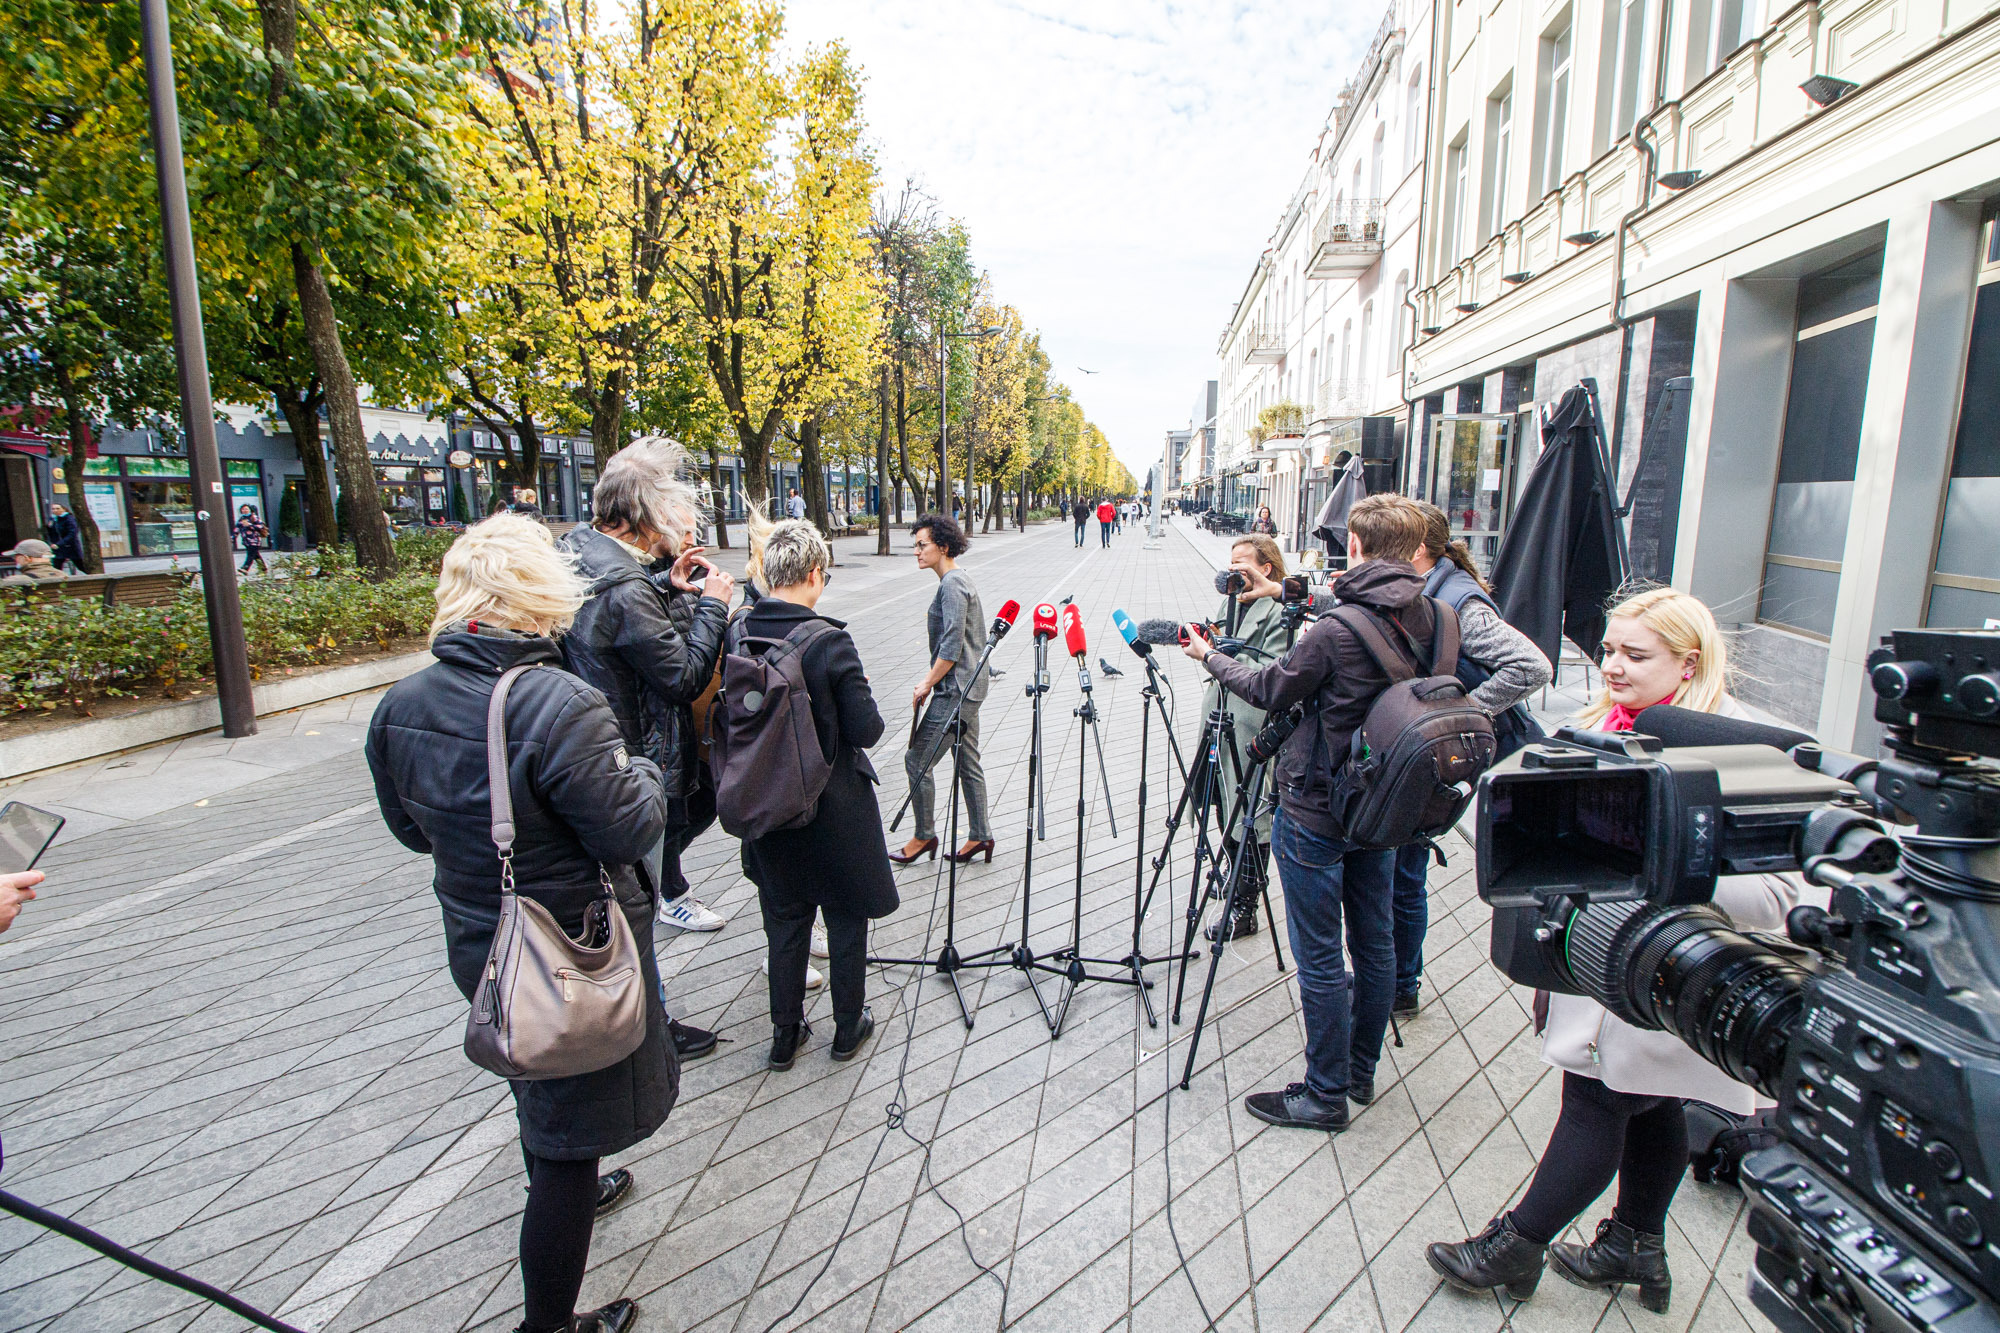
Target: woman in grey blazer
x,y
957,624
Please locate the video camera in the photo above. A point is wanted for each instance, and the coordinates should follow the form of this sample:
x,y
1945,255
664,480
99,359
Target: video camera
x,y
1875,1024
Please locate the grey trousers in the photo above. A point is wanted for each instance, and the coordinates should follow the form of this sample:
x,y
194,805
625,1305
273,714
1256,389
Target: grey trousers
x,y
933,743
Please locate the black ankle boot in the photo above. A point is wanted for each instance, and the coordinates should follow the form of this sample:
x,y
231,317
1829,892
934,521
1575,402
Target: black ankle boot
x,y
1619,1256
785,1043
1497,1257
616,1317
1240,921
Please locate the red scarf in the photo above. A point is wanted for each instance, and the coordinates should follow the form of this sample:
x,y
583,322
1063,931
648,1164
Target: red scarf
x,y
1621,718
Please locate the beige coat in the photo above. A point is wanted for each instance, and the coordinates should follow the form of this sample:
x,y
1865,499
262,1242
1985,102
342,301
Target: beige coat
x,y
1585,1038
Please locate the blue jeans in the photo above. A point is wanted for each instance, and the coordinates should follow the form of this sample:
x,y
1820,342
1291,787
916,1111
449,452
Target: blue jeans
x,y
1324,881
1413,915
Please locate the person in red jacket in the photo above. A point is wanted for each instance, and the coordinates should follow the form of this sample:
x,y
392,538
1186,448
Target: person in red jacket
x,y
1105,514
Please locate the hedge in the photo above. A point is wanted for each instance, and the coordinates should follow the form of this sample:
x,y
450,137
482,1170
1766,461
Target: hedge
x,y
74,652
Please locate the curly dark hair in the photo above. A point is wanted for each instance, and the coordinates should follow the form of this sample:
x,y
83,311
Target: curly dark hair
x,y
946,535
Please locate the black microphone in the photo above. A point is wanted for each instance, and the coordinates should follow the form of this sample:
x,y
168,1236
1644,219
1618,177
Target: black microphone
x,y
1680,727
1163,633
1229,582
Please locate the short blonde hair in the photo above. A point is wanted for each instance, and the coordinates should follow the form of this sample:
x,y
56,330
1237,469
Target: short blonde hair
x,y
1686,625
792,550
508,572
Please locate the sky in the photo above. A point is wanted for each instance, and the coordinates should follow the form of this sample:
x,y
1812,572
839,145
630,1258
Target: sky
x,y
1119,164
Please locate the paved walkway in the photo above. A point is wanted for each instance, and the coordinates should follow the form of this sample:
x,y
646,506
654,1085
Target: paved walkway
x,y
230,1041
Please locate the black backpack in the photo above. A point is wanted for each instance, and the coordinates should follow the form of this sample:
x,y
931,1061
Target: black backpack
x,y
1413,764
763,752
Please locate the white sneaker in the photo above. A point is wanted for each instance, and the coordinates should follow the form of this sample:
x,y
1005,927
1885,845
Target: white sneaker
x,y
689,913
819,949
813,979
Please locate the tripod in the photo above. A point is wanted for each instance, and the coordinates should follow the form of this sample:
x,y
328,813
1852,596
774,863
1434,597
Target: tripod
x,y
1247,847
1072,958
949,962
1151,695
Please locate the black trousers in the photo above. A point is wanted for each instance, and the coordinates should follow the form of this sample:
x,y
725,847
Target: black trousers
x,y
555,1238
1600,1134
788,926
1104,530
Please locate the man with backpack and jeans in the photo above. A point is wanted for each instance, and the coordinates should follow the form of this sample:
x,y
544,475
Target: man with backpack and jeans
x,y
1331,886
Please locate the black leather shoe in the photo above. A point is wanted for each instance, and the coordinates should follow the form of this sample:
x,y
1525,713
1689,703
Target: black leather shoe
x,y
1619,1257
617,1317
785,1043
612,1189
1361,1091
690,1043
1406,1003
1297,1107
847,1046
1497,1257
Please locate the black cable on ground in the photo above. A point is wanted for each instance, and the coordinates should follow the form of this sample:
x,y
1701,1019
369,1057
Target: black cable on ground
x,y
139,1263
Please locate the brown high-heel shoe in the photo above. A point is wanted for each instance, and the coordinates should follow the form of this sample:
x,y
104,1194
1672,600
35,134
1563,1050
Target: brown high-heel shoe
x,y
965,854
913,849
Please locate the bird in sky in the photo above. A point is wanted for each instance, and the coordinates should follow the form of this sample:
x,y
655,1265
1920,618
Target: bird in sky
x,y
1086,370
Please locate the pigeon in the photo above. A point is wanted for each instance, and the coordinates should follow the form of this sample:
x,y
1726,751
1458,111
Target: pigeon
x,y
1107,668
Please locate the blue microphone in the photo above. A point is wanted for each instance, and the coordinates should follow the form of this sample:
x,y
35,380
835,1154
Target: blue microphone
x,y
1130,633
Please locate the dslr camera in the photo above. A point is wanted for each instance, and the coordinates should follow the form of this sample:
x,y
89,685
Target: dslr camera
x,y
1874,1023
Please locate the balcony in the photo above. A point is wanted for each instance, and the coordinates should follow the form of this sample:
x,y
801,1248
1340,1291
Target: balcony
x,y
1348,240
1262,346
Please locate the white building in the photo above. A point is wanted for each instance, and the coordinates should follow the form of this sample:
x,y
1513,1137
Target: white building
x,y
1765,232
1322,317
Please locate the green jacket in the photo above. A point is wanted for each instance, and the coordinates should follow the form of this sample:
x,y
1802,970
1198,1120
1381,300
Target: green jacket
x,y
1262,628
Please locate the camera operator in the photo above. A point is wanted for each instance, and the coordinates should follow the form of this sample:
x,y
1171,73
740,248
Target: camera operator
x,y
1324,879
1622,1086
1262,629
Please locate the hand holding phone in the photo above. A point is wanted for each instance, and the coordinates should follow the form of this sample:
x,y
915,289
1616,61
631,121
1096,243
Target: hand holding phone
x,y
15,890
25,833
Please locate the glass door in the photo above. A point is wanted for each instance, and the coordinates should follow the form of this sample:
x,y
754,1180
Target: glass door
x,y
1471,478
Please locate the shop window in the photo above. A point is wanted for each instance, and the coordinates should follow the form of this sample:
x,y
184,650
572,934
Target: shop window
x,y
1965,577
1822,441
162,516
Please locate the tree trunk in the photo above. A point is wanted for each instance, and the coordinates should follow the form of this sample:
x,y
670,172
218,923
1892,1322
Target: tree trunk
x,y
716,497
303,417
373,550
812,473
73,477
754,447
607,418
882,470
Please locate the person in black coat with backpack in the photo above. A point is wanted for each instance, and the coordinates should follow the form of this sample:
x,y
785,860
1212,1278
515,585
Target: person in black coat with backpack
x,y
835,863
585,806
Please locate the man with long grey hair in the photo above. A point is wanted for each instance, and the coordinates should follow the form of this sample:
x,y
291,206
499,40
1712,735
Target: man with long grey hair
x,y
651,645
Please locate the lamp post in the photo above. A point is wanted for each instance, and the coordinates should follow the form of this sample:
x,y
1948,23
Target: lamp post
x,y
944,419
211,502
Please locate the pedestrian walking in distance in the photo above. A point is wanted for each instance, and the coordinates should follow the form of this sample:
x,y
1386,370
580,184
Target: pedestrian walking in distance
x,y
795,504
1080,511
835,863
586,810
254,536
957,627
66,538
1107,514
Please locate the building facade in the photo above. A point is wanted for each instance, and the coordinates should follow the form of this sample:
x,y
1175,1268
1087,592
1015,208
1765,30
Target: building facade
x,y
1765,235
1316,331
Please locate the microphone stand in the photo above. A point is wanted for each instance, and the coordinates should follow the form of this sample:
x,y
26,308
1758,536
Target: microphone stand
x,y
1142,897
1246,847
949,962
1072,959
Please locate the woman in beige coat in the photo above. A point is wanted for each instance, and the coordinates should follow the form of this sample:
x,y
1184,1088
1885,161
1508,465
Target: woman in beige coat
x,y
1623,1087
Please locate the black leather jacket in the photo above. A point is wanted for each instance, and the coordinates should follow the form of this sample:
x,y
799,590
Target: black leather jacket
x,y
652,658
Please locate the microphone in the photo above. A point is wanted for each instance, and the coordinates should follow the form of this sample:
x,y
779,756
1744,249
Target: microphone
x,y
1045,621
1004,621
1161,633
1073,641
1130,633
1678,727
1229,582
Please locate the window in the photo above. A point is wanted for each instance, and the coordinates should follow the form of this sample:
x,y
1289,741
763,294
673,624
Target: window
x,y
1624,68
1413,114
1375,164
1816,462
1362,365
1551,113
1400,336
1499,148
1452,231
1716,29
1965,577
1346,347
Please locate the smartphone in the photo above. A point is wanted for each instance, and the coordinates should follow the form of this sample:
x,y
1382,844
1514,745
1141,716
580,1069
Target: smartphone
x,y
25,833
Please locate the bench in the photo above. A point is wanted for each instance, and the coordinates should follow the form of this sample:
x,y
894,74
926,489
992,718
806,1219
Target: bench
x,y
151,589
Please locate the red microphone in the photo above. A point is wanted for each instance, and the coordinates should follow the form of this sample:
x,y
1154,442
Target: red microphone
x,y
1045,621
1009,611
1073,631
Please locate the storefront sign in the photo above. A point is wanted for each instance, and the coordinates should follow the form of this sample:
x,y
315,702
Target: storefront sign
x,y
459,458
402,456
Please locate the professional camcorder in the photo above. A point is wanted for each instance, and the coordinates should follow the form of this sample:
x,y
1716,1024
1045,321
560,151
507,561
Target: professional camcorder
x,y
1875,1024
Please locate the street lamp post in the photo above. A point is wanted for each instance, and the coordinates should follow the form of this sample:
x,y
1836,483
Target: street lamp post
x,y
944,419
211,501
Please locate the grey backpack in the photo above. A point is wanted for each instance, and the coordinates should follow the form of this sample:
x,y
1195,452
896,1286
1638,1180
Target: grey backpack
x,y
763,752
1414,762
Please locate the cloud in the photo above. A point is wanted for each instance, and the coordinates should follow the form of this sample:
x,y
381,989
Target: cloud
x,y
1119,163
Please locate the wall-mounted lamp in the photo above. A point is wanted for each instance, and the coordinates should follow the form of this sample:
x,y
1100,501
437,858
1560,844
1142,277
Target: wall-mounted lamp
x,y
1680,180
1825,90
1516,279
1584,237
1466,307
1430,329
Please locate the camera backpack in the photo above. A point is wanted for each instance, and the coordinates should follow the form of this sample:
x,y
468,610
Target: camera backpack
x,y
763,752
1413,763
1719,1140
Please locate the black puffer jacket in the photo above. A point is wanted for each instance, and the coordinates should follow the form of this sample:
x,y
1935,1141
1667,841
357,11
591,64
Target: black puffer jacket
x,y
627,643
581,800
1332,674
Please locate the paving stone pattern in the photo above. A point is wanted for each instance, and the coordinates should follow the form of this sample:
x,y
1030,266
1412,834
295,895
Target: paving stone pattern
x,y
230,1041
